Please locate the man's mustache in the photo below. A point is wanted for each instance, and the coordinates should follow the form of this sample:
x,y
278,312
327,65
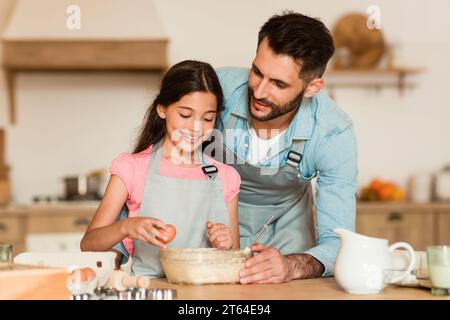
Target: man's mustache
x,y
264,102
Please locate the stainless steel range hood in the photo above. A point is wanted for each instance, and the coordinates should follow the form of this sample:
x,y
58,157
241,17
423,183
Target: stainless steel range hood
x,y
82,35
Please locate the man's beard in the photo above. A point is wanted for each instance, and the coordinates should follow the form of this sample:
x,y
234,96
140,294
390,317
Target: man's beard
x,y
276,111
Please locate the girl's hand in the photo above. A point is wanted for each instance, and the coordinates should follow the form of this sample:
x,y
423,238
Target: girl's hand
x,y
145,229
219,235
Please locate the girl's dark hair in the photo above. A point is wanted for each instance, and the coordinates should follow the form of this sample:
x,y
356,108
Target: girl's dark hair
x,y
181,79
301,37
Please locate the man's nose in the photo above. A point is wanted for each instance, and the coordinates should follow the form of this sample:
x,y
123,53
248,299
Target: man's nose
x,y
261,90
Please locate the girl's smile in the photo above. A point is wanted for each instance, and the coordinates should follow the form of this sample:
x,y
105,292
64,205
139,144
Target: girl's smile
x,y
189,122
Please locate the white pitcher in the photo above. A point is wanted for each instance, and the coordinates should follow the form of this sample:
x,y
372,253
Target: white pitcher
x,y
364,264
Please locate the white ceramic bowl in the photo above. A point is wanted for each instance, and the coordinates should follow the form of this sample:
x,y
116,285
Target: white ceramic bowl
x,y
202,265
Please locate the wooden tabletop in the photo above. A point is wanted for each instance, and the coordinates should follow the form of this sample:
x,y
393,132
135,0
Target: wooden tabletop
x,y
316,289
23,282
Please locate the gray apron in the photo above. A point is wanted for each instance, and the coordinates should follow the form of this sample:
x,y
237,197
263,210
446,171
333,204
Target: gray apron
x,y
282,192
185,203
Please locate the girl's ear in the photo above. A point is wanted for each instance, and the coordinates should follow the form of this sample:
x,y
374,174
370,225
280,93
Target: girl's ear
x,y
161,111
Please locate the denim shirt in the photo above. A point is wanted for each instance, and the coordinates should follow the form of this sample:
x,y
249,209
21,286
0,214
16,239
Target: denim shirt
x,y
330,154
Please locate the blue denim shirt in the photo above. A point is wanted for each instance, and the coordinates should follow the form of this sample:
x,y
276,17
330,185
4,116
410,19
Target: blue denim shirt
x,y
330,154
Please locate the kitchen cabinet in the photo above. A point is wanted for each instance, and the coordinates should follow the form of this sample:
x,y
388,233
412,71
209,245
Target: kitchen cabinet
x,y
420,225
55,228
56,233
443,226
58,224
12,230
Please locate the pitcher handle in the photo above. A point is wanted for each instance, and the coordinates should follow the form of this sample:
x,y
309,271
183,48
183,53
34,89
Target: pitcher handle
x,y
412,259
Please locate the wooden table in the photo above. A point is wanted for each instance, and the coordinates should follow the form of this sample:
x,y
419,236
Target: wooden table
x,y
316,289
22,282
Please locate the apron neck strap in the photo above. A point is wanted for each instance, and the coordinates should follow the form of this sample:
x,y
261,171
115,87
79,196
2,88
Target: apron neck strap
x,y
208,169
155,158
295,155
232,121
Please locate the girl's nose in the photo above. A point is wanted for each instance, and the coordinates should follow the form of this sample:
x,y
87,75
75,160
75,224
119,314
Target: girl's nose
x,y
196,126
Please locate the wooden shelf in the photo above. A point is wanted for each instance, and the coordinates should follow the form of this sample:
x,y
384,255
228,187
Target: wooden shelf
x,y
371,78
143,55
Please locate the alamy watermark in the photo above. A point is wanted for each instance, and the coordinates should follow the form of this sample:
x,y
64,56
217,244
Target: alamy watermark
x,y
222,145
373,17
73,21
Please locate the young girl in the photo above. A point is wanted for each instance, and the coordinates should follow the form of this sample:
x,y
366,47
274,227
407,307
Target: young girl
x,y
167,180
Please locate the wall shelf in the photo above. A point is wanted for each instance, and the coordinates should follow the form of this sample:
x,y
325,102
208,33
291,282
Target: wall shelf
x,y
144,55
370,79
84,37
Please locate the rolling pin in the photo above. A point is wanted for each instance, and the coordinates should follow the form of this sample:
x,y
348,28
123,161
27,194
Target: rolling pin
x,y
120,280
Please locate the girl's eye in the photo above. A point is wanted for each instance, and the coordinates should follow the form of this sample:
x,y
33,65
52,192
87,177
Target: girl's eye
x,y
209,120
184,116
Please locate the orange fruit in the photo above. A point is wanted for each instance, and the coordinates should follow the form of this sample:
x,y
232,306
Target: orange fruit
x,y
399,195
390,184
376,185
387,193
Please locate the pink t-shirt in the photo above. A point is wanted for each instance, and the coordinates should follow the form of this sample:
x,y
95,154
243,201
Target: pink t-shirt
x,y
133,170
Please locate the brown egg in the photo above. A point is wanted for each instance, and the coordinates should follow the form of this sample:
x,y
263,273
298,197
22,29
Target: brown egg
x,y
89,273
83,274
170,233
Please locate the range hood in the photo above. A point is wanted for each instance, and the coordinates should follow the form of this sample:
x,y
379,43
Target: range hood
x,y
82,35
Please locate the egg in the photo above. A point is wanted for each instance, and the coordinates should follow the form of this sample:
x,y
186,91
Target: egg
x,y
83,274
89,273
170,232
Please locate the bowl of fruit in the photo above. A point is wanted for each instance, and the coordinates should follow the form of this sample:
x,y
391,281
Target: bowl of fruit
x,y
380,190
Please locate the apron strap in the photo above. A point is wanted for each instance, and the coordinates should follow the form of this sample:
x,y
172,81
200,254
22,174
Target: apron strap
x,y
208,168
210,171
295,155
155,158
232,121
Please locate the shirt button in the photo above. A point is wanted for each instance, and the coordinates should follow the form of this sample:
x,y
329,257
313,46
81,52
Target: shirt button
x,y
246,145
298,175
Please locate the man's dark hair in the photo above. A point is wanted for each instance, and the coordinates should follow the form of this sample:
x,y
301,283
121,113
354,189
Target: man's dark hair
x,y
305,39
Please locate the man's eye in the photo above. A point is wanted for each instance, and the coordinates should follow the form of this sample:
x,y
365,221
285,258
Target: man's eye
x,y
280,85
257,72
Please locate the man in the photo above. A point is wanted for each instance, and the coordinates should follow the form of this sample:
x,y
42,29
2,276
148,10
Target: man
x,y
281,132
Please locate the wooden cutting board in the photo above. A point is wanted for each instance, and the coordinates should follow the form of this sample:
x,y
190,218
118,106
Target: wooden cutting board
x,y
23,282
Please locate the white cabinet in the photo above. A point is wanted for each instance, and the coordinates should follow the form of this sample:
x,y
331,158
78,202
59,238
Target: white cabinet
x,y
53,242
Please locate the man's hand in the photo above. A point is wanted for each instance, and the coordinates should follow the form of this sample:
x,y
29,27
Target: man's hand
x,y
269,266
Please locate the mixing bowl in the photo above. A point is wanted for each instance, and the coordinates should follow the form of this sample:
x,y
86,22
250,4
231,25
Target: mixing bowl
x,y
203,265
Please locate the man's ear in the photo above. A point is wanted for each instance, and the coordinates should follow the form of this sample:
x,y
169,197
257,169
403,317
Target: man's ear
x,y
161,111
313,87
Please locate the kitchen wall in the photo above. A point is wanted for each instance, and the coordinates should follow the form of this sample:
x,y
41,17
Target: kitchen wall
x,y
74,123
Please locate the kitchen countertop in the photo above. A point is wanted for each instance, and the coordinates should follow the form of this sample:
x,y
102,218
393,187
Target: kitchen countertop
x,y
310,289
78,207
91,206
